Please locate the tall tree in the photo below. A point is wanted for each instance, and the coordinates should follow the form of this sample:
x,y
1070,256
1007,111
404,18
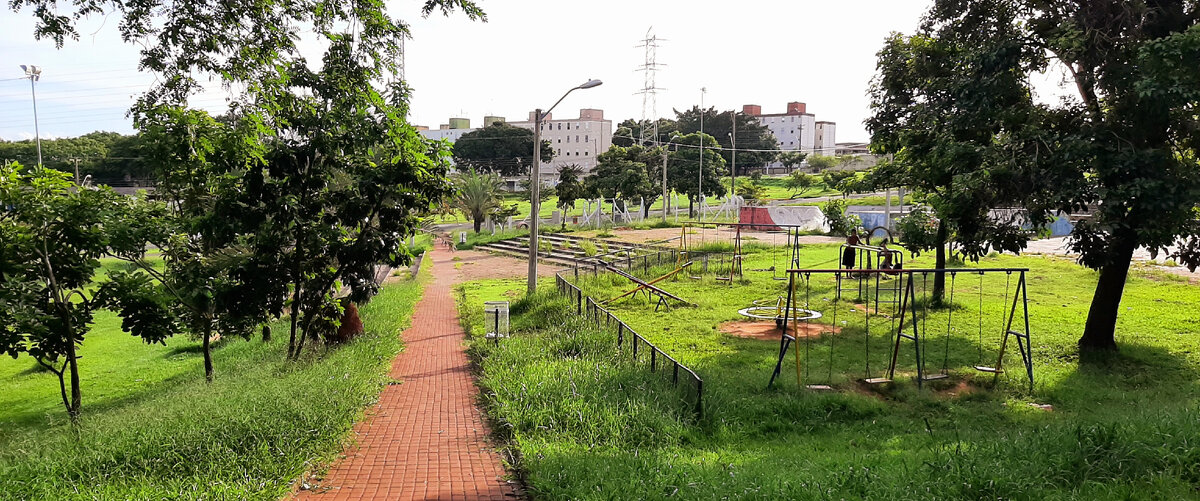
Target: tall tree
x,y
477,195
756,144
684,173
52,235
626,174
1124,147
500,148
943,101
569,188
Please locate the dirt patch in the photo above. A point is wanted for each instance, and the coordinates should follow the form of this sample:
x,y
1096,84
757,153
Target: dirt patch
x,y
767,331
479,265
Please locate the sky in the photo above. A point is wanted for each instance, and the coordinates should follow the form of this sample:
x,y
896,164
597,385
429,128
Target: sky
x,y
525,56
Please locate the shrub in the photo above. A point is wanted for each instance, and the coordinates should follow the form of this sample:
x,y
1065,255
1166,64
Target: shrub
x,y
840,223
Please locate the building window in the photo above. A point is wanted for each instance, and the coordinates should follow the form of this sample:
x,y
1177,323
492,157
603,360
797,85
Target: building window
x,y
585,138
559,126
576,137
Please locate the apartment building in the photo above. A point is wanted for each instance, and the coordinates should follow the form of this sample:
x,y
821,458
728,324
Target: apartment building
x,y
796,129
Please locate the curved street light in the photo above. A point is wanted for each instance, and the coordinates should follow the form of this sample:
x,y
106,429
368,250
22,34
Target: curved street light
x,y
535,181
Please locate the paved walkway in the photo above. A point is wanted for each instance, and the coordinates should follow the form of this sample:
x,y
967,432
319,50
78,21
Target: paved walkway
x,y
425,439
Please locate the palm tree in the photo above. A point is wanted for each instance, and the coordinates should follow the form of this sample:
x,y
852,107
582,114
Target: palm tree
x,y
477,195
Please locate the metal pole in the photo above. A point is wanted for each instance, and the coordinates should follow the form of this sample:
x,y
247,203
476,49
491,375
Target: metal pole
x,y
534,193
700,183
733,160
666,202
36,132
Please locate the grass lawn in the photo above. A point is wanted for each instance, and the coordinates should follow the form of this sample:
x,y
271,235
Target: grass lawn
x,y
153,429
876,201
777,191
1123,426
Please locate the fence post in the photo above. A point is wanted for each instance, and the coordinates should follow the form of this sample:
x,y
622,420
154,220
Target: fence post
x,y
578,301
636,337
675,375
653,358
620,333
699,398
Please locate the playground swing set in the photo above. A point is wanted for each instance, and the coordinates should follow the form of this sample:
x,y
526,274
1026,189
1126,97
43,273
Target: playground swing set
x,y
911,314
792,234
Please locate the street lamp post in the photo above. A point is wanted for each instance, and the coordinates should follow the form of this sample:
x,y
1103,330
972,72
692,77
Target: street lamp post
x,y
535,183
700,177
34,73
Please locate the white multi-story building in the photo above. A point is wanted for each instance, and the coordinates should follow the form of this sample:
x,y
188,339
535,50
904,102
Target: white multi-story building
x,y
574,140
824,142
796,129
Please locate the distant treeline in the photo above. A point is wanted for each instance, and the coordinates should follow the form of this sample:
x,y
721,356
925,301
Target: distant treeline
x,y
109,157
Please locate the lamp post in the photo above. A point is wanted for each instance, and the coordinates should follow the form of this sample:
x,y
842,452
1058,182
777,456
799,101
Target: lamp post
x,y
733,153
700,176
34,73
535,184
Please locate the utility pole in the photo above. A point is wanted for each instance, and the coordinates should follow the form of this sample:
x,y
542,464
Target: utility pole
x,y
700,184
733,147
666,201
535,185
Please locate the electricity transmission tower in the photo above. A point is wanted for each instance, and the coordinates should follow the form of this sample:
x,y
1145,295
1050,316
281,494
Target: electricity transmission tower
x,y
649,90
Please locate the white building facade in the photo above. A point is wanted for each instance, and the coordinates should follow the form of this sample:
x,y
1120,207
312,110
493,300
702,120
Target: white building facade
x,y
574,140
796,129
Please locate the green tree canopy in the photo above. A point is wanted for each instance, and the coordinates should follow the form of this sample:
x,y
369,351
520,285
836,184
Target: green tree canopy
x,y
944,101
684,173
627,174
756,144
499,148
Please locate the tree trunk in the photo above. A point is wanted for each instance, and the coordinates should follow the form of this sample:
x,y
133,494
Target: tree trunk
x,y
691,208
266,334
76,393
939,279
207,343
478,224
295,318
1099,333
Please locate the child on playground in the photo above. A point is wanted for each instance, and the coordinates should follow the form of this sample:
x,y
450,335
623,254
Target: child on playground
x,y
850,254
885,257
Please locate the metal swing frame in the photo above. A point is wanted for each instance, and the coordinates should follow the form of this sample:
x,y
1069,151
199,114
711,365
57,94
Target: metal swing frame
x,y
909,321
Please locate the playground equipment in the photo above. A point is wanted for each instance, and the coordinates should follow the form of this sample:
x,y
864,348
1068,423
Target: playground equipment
x,y
662,294
912,317
640,287
868,257
793,232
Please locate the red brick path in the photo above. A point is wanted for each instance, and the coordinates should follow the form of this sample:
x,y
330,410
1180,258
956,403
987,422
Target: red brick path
x,y
425,439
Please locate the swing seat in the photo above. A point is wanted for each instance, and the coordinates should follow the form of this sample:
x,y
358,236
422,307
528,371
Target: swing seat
x,y
992,370
877,380
935,377
818,387
723,279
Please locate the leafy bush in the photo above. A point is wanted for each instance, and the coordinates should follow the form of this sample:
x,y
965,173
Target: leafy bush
x,y
588,248
840,223
918,230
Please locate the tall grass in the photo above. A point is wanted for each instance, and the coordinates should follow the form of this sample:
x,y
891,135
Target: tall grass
x,y
247,435
1121,428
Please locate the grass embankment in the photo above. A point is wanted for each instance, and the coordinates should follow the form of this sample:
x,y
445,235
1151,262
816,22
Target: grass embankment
x,y
153,429
1124,426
